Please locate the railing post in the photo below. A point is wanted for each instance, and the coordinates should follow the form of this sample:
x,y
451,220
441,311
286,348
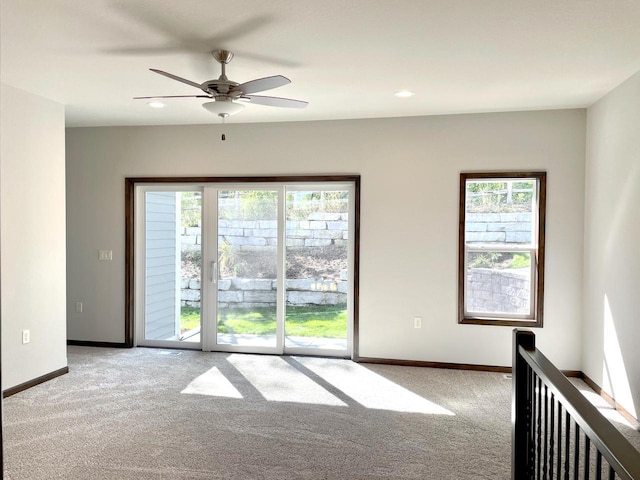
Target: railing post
x,y
521,403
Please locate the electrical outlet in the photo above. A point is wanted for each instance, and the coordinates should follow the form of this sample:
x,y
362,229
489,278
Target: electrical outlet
x,y
417,322
78,307
26,336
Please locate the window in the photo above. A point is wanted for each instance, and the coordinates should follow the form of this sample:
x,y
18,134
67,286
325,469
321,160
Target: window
x,y
501,248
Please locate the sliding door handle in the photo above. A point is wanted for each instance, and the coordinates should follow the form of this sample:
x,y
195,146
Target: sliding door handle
x,y
213,272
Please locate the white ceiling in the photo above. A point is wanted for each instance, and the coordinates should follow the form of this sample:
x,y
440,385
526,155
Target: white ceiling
x,y
345,57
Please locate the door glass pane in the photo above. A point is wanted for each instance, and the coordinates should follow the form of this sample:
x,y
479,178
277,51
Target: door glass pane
x,y
316,269
247,267
173,266
498,282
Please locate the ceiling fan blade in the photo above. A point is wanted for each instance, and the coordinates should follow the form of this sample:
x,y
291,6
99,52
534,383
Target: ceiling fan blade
x,y
275,101
260,84
175,77
173,96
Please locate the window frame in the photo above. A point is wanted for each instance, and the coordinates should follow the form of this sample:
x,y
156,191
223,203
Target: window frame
x,y
537,249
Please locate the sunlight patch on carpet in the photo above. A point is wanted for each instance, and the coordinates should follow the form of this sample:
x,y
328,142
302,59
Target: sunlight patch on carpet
x,y
213,383
370,389
278,381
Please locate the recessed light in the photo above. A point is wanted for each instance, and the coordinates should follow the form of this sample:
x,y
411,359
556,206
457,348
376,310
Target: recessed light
x,y
404,93
156,104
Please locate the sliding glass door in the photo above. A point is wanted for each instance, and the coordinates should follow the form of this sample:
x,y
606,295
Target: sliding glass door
x,y
264,268
317,269
169,269
244,268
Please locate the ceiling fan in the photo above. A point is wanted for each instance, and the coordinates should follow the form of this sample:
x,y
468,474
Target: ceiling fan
x,y
227,94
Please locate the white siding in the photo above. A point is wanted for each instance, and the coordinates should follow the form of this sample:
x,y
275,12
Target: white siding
x,y
161,276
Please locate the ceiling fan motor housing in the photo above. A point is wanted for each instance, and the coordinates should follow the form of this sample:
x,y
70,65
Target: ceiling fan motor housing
x,y
218,86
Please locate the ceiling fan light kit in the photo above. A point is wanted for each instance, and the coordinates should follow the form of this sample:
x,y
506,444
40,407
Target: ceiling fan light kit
x,y
223,107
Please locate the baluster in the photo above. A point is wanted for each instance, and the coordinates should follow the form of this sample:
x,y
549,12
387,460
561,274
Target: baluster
x,y
587,448
531,440
576,452
567,444
546,432
559,467
551,436
598,465
612,473
539,433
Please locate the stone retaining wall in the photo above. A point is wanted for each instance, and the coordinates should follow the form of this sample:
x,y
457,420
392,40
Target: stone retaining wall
x,y
498,227
319,230
492,290
259,292
487,291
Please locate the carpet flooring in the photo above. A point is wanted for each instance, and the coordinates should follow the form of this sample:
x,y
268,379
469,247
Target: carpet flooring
x,y
161,414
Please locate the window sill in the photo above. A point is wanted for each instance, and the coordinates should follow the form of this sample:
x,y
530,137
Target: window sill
x,y
500,322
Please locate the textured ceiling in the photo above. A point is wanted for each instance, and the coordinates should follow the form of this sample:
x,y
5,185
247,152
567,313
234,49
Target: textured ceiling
x,y
346,58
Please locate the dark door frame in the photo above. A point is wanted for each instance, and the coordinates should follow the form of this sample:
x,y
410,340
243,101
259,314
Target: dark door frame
x,y
129,204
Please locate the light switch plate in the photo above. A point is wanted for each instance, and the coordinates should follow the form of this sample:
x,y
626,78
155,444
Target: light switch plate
x,y
105,255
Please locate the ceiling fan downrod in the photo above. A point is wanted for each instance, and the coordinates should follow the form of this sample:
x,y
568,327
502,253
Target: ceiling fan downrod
x,y
223,57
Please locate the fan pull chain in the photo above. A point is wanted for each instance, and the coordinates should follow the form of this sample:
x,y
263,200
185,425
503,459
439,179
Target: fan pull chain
x,y
223,138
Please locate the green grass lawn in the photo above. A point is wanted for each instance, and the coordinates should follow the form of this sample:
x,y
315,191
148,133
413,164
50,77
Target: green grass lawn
x,y
189,318
320,322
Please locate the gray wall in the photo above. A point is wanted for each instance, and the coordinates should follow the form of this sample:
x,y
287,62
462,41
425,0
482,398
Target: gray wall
x,y
612,258
410,175
33,235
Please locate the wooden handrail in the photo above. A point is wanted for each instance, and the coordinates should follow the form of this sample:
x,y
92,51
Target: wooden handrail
x,y
613,446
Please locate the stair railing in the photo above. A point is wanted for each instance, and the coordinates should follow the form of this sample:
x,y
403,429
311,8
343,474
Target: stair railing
x,y
556,431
